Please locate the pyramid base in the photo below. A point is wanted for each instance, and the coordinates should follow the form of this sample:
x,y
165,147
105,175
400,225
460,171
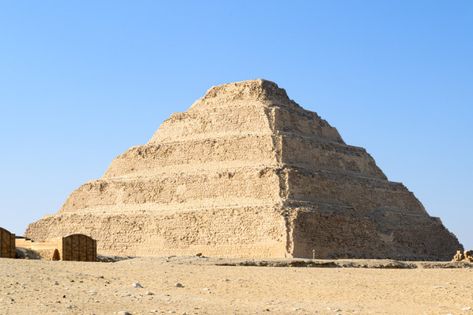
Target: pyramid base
x,y
323,232
252,232
381,235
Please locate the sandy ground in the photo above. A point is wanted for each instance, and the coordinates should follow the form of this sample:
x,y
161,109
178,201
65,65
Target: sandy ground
x,y
42,287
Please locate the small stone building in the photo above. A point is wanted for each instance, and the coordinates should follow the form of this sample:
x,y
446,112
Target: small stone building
x,y
7,244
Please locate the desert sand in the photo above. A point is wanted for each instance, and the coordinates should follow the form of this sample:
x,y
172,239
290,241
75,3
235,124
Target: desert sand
x,y
45,287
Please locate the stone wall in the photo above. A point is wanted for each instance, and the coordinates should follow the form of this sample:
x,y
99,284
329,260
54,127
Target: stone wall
x,y
316,155
236,232
203,154
215,187
346,234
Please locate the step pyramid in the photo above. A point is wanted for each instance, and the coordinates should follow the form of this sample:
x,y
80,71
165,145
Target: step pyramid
x,y
247,172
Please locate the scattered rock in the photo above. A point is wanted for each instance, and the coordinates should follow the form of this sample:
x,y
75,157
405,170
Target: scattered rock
x,y
149,293
466,309
124,313
137,285
112,259
179,285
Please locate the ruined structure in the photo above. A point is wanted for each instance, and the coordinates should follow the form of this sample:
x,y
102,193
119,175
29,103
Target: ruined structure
x,y
247,172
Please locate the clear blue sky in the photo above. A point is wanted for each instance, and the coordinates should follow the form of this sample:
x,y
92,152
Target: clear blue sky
x,y
81,81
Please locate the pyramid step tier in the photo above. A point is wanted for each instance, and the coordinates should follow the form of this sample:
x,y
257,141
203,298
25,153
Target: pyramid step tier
x,y
244,117
245,149
362,193
258,231
262,183
255,183
253,230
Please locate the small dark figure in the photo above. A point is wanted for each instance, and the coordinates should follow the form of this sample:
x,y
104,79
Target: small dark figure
x,y
56,256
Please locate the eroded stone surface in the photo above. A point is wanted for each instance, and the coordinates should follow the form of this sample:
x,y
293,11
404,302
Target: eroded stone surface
x,y
247,172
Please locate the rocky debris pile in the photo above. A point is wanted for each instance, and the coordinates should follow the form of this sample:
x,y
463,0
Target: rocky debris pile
x,y
466,256
112,259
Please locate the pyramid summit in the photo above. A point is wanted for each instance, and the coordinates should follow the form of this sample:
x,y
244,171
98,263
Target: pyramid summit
x,y
247,172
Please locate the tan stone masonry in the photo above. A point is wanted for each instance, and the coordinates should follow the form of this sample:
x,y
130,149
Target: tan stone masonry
x,y
247,172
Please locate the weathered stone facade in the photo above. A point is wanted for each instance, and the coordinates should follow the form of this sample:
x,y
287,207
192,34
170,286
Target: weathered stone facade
x,y
247,172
